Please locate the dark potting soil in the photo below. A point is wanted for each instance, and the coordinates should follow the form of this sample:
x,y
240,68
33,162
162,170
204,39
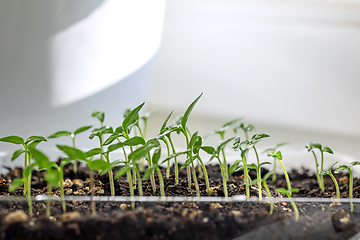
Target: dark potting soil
x,y
181,220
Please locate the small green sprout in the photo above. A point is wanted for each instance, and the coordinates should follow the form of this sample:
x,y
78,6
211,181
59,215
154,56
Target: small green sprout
x,y
310,147
333,178
30,143
239,146
288,194
278,156
246,128
221,132
348,167
51,176
72,136
273,150
155,167
263,180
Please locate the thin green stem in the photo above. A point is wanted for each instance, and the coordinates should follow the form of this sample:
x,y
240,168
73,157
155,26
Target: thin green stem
x,y
351,190
322,169
74,162
269,194
48,202
296,210
274,172
317,172
206,175
226,168
131,188
175,160
152,176
168,163
223,176
62,188
286,176
111,178
139,182
258,172
92,186
162,192
336,184
246,178
25,179
29,199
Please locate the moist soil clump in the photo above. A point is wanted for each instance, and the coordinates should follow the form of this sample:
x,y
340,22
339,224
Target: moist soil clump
x,y
179,220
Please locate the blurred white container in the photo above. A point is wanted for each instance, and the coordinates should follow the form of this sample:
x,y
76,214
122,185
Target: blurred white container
x,y
60,60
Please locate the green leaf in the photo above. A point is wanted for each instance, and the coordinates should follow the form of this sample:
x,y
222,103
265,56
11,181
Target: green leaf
x,y
163,127
255,181
98,165
29,169
156,156
197,144
192,140
82,129
281,190
341,168
328,150
294,190
65,161
73,153
52,176
228,124
276,155
354,163
112,138
136,140
129,119
60,134
114,147
36,138
175,155
143,150
187,163
267,175
13,139
252,166
258,137
17,153
208,149
40,158
264,163
15,184
333,165
324,173
99,115
316,145
93,152
122,171
233,166
148,172
34,144
222,144
186,115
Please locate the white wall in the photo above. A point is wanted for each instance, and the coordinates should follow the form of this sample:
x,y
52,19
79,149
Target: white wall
x,y
290,67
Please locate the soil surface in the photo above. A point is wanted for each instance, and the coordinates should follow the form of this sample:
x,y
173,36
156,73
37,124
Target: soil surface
x,y
179,220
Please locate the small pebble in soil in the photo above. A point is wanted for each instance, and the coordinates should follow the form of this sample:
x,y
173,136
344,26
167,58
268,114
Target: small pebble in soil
x,y
18,216
69,216
78,182
341,221
67,183
123,206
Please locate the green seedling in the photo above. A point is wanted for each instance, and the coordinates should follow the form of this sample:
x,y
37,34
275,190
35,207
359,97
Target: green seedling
x,y
310,147
329,172
288,194
30,143
278,156
246,128
221,132
263,181
51,176
183,129
216,154
348,167
155,167
72,136
18,182
242,147
274,165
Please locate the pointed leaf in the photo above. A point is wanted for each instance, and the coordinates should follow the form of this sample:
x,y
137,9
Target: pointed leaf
x,y
354,163
131,116
34,144
112,138
29,170
234,166
15,184
82,129
148,172
156,156
175,155
328,150
93,152
122,171
99,115
197,145
97,165
163,127
136,140
208,149
252,166
192,140
17,153
73,153
267,175
40,158
341,168
114,147
187,163
188,111
281,190
60,134
264,163
52,176
13,139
